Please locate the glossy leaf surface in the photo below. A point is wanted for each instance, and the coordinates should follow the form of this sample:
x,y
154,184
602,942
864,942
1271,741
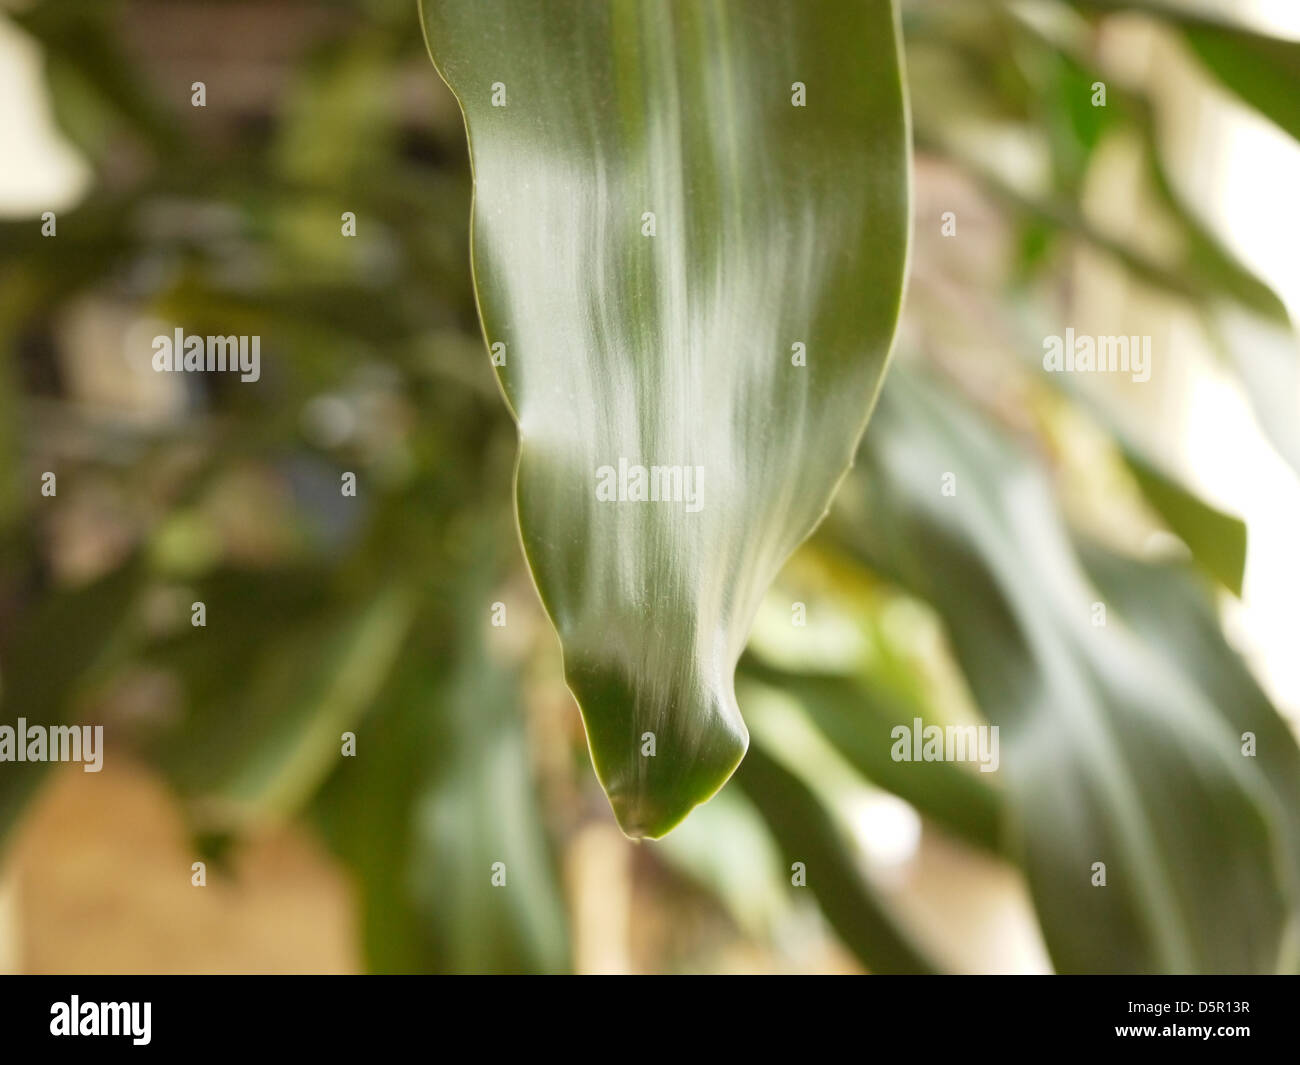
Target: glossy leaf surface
x,y
689,241
1112,752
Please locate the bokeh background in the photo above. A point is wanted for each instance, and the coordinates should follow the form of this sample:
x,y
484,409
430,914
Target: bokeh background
x,y
1170,212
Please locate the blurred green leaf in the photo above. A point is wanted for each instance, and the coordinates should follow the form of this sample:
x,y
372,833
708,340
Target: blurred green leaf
x,y
1264,71
91,78
1054,98
857,718
676,349
339,121
1111,754
1217,540
725,848
478,818
440,790
1266,356
805,832
49,652
1173,612
1197,266
262,725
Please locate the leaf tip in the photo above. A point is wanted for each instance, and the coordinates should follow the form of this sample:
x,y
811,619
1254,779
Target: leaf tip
x,y
659,751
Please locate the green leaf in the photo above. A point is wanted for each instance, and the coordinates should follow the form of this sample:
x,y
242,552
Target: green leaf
x,y
1111,752
440,791
91,79
266,708
805,832
858,718
1243,318
1263,71
1217,540
48,658
1174,613
774,226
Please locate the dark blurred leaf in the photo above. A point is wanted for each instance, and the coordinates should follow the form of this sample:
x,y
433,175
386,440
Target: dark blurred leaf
x,y
482,809
12,501
1110,753
340,117
46,658
1173,612
265,711
806,832
441,789
857,718
91,77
